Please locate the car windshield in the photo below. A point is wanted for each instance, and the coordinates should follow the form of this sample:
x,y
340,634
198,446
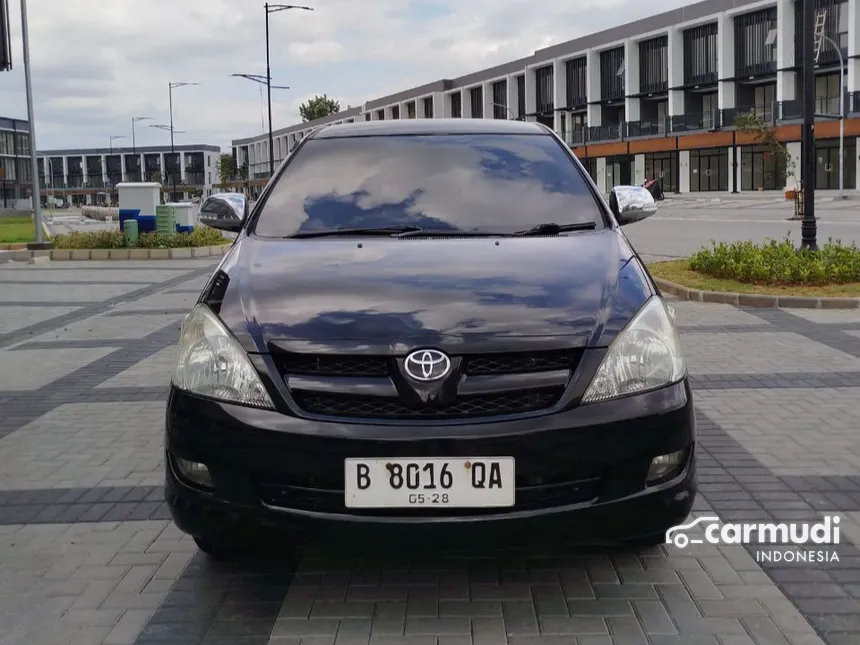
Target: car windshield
x,y
498,183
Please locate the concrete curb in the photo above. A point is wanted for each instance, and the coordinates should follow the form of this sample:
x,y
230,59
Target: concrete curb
x,y
59,255
755,299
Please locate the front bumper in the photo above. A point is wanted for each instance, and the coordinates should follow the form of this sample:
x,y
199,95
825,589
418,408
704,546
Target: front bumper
x,y
584,470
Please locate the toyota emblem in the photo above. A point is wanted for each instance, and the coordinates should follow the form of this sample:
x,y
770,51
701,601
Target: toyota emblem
x,y
427,365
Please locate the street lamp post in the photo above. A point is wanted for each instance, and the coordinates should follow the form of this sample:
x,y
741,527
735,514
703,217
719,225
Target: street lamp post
x,y
267,81
274,8
170,129
808,227
170,86
112,137
31,122
134,120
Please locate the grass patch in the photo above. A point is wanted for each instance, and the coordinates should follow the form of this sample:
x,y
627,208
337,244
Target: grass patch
x,y
200,236
679,272
15,230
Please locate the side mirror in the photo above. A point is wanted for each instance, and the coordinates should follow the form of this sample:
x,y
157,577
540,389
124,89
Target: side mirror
x,y
225,211
631,204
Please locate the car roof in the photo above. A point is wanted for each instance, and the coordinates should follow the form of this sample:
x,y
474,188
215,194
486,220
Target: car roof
x,y
428,127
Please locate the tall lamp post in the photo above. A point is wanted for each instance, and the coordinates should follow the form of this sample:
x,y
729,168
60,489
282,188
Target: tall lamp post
x,y
171,86
274,8
172,131
134,120
31,122
267,81
808,227
115,136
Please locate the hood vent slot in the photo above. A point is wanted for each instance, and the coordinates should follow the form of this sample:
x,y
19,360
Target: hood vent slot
x,y
213,296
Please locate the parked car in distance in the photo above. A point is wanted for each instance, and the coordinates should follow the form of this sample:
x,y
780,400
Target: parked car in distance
x,y
430,322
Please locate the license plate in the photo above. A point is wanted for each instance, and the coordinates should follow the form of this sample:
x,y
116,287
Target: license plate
x,y
478,482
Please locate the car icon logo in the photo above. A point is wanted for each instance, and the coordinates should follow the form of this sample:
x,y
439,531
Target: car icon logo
x,y
427,365
681,540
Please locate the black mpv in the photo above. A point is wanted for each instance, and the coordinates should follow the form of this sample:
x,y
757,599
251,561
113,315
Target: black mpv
x,y
430,322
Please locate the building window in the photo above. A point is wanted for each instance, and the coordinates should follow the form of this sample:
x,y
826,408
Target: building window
x,y
500,99
755,43
700,55
827,164
612,74
476,100
428,107
367,116
836,28
663,166
709,170
521,96
710,110
761,169
765,99
410,110
827,94
395,111
544,90
457,105
380,115
654,65
575,71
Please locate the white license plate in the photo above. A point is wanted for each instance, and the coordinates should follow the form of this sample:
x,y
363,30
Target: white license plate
x,y
477,482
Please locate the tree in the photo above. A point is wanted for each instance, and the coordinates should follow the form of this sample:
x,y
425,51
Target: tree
x,y
155,176
318,107
765,135
226,168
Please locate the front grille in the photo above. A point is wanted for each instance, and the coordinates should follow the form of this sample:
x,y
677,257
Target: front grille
x,y
518,363
325,500
347,405
476,364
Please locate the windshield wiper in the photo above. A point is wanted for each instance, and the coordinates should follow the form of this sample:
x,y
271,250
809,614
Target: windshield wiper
x,y
450,232
551,228
370,230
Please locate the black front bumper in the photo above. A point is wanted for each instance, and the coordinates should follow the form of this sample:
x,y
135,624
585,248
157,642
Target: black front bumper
x,y
583,471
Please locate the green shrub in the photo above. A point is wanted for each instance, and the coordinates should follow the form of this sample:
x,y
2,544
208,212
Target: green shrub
x,y
779,263
200,236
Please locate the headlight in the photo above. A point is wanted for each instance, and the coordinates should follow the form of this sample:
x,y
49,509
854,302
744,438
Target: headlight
x,y
211,362
645,355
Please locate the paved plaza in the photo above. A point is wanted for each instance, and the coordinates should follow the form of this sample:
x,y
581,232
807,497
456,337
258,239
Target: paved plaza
x,y
88,555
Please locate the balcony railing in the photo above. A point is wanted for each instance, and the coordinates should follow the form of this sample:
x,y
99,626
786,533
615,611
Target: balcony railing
x,y
611,132
694,121
95,182
648,127
133,176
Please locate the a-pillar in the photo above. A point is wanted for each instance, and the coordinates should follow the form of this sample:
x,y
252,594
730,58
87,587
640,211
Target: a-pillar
x,y
726,61
676,71
631,81
786,78
559,100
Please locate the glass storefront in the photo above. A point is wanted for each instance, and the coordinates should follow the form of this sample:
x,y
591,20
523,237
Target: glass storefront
x,y
664,167
619,171
761,169
709,170
827,164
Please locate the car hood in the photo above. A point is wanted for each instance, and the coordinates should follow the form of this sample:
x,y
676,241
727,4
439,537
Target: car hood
x,y
575,290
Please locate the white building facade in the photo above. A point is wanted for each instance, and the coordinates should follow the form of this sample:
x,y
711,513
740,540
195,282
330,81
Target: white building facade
x,y
657,98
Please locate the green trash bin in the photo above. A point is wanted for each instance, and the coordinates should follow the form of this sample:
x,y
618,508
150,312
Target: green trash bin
x,y
130,229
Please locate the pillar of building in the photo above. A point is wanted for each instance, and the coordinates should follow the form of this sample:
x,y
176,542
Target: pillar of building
x,y
487,94
531,94
601,179
683,171
639,169
726,61
786,80
512,101
631,80
853,75
439,105
592,89
675,54
559,97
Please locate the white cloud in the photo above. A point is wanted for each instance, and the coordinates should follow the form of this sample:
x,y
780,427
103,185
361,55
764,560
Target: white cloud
x,y
96,64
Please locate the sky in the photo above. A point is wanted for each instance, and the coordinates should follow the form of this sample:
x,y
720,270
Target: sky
x,y
98,63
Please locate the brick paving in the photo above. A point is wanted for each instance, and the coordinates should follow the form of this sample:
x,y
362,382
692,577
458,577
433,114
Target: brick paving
x,y
88,555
